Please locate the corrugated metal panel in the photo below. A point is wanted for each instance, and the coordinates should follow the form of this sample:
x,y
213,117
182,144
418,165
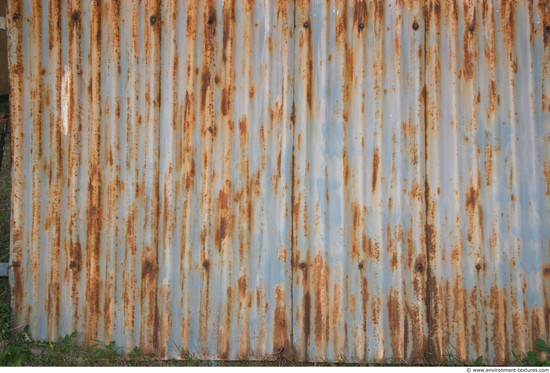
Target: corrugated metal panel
x,y
152,144
488,184
344,180
360,264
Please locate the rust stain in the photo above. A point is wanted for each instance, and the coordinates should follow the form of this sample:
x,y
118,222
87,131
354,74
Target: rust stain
x,y
280,323
394,307
355,228
321,306
375,165
468,64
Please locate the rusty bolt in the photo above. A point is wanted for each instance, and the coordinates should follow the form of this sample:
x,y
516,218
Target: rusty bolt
x,y
361,25
419,267
153,20
478,267
415,26
472,27
206,264
303,265
306,24
15,16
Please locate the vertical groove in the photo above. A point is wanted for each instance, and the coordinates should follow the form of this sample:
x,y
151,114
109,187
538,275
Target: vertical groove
x,y
292,176
427,231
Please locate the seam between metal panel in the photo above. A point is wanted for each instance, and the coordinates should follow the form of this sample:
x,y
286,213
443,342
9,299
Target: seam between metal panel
x,y
427,234
292,169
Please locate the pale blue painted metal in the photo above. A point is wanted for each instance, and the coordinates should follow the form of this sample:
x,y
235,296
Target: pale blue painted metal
x,y
328,180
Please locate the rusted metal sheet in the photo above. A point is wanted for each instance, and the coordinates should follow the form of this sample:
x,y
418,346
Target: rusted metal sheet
x,y
359,259
335,180
152,148
487,179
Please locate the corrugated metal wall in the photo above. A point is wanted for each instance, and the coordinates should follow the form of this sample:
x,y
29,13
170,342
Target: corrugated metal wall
x,y
360,259
488,175
344,181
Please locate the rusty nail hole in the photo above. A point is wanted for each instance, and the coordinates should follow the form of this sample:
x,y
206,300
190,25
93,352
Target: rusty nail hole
x,y
302,265
361,25
415,26
153,20
306,24
472,27
75,16
478,267
361,265
211,17
15,265
547,28
419,267
547,271
15,16
206,264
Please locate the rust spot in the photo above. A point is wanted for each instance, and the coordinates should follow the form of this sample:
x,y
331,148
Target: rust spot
x,y
243,128
375,165
280,324
471,199
307,319
205,79
489,165
226,100
321,283
419,266
283,254
221,232
153,20
359,14
75,16
373,249
206,264
148,269
243,285
211,20
228,14
356,225
395,326
469,49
